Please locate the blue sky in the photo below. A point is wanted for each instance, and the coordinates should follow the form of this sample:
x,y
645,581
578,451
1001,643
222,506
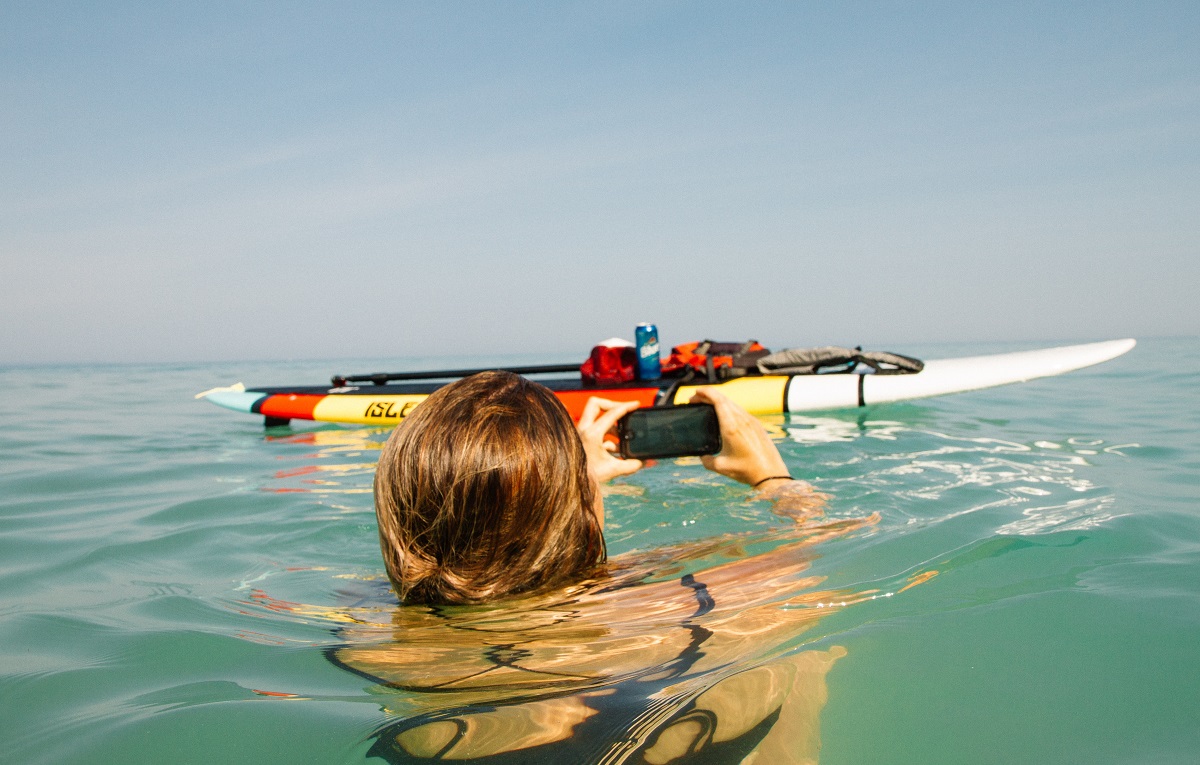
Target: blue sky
x,y
294,180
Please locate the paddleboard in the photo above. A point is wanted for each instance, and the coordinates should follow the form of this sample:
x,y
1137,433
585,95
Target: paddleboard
x,y
387,404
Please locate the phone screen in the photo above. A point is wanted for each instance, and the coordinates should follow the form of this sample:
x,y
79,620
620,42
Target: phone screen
x,y
670,431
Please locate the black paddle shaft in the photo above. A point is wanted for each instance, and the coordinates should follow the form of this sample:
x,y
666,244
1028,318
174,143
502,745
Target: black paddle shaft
x,y
383,378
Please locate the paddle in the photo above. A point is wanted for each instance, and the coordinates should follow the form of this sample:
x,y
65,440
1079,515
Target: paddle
x,y
383,378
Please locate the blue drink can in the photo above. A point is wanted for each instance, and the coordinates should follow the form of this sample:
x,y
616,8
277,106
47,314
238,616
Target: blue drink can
x,y
649,366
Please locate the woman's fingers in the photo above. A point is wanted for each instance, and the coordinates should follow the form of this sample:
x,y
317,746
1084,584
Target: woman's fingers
x,y
608,420
600,411
626,467
592,409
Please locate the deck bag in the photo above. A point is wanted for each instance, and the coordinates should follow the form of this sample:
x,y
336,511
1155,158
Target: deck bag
x,y
714,360
612,361
833,359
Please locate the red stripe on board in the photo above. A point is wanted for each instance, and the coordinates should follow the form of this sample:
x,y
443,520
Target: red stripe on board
x,y
290,405
575,400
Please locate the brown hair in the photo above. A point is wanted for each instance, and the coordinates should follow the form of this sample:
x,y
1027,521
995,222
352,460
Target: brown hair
x,y
483,491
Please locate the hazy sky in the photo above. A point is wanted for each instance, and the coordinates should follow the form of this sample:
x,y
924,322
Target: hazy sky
x,y
190,181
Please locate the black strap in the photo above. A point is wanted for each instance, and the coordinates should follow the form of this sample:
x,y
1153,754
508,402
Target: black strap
x,y
700,589
666,397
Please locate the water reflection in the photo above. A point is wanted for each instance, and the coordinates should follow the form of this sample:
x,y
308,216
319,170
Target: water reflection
x,y
320,476
672,658
922,475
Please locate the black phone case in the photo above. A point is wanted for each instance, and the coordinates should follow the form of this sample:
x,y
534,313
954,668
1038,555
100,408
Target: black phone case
x,y
669,431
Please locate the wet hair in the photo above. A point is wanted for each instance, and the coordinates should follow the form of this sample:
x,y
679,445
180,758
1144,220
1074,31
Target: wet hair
x,y
483,492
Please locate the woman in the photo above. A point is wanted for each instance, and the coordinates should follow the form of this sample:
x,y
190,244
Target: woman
x,y
487,490
489,498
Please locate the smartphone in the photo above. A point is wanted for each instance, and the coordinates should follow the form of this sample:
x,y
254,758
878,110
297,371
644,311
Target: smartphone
x,y
687,430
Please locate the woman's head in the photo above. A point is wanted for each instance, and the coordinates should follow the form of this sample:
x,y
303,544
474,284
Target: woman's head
x,y
483,491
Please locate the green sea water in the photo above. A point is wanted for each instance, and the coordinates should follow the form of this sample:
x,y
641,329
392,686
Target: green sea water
x,y
173,578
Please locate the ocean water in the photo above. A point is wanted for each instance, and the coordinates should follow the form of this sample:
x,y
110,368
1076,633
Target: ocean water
x,y
1002,576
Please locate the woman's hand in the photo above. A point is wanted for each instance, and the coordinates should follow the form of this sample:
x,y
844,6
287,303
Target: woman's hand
x,y
600,418
747,453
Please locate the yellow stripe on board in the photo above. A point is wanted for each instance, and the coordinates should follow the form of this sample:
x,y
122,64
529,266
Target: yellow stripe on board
x,y
366,410
758,395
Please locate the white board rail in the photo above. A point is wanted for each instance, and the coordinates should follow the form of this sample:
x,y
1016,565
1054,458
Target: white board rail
x,y
943,376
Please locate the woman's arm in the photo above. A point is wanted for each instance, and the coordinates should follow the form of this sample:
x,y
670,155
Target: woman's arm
x,y
599,418
749,456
